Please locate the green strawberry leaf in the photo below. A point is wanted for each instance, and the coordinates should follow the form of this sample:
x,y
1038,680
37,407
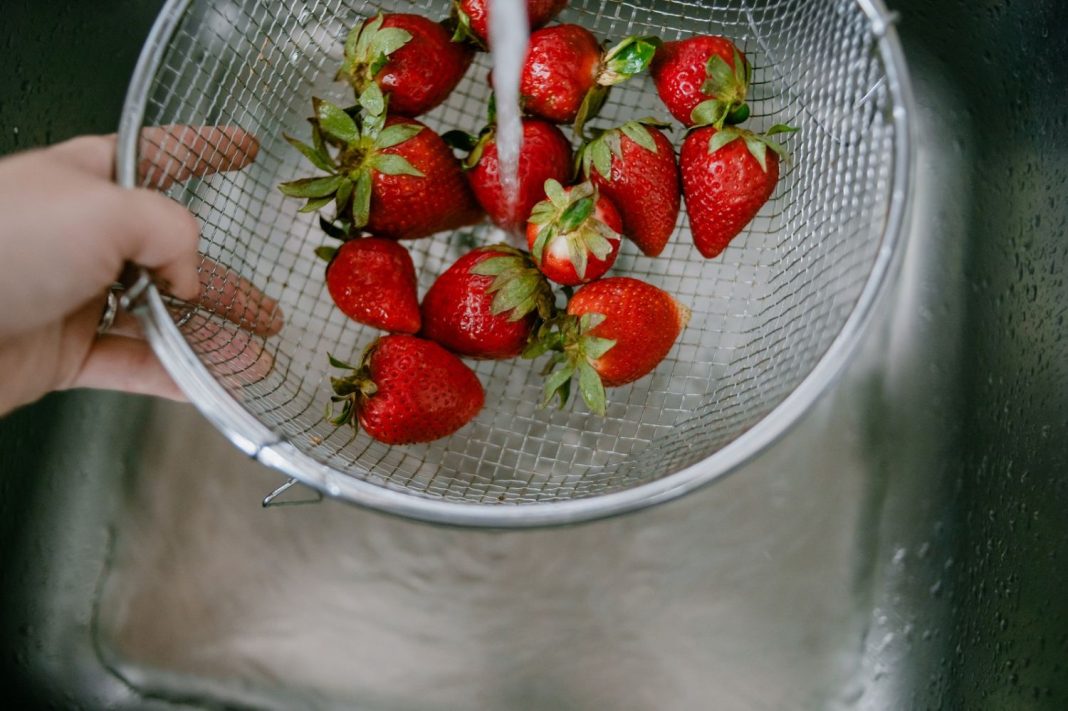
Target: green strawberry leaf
x,y
392,164
344,195
326,254
712,112
320,159
721,78
592,388
639,134
722,138
591,105
315,204
576,251
759,150
336,123
312,187
591,320
631,56
361,200
575,214
545,234
780,128
601,156
365,34
555,192
338,363
595,347
396,134
387,41
738,115
373,101
494,266
558,385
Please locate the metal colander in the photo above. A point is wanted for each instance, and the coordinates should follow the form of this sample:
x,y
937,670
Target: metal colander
x,y
774,317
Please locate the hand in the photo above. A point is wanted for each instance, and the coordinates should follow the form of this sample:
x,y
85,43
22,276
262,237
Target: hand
x,y
66,230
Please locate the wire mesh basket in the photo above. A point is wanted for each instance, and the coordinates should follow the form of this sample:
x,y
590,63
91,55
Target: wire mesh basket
x,y
774,318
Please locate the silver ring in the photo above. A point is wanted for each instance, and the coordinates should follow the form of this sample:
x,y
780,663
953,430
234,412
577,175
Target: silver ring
x,y
111,310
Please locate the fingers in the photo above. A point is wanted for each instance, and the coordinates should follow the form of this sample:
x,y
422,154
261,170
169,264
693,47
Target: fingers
x,y
126,364
169,154
155,232
172,154
225,293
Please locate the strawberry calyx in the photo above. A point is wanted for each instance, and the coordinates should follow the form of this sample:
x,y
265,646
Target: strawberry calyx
x,y
630,57
351,391
575,351
729,87
518,287
570,215
357,155
757,144
596,154
367,49
474,145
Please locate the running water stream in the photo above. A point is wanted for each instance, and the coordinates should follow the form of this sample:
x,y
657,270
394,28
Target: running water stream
x,y
509,31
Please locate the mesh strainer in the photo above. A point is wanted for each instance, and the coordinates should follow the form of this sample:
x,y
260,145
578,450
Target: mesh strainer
x,y
774,318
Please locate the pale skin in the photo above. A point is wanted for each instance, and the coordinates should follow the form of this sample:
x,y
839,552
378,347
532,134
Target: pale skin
x,y
66,230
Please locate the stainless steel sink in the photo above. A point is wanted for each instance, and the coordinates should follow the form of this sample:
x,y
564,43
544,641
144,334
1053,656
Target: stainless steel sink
x,y
903,547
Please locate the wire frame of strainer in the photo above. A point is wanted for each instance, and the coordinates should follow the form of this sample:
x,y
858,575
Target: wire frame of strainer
x,y
774,318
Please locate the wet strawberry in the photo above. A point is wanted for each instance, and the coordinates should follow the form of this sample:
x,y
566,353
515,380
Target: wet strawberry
x,y
392,177
566,75
545,155
616,331
372,280
472,18
702,80
410,58
406,390
634,166
487,304
727,176
574,234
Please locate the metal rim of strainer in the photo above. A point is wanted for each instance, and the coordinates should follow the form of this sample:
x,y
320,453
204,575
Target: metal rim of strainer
x,y
271,449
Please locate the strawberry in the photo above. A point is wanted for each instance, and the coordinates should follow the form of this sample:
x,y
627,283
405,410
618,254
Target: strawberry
x,y
634,166
393,177
702,80
574,234
727,176
566,76
615,331
407,56
472,18
372,280
487,304
545,154
406,390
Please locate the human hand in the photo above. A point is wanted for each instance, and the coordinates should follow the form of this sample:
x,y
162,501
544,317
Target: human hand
x,y
66,230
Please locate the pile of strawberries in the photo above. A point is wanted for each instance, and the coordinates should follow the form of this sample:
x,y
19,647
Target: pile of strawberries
x,y
390,177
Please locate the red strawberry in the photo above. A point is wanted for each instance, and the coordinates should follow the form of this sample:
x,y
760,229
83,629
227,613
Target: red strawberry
x,y
406,390
372,280
616,331
409,57
566,76
574,235
727,176
634,166
472,17
393,177
702,74
487,304
545,155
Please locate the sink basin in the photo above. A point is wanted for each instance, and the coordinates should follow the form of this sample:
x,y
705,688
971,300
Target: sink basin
x,y
902,547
